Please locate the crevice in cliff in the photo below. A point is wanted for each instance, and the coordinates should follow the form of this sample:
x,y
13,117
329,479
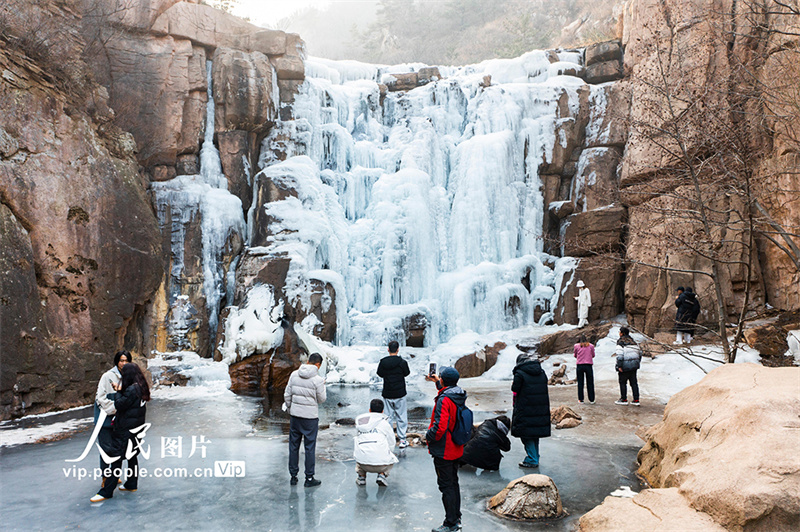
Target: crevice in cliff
x,y
28,226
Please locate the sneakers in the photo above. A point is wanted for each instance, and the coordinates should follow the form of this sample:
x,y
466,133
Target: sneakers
x,y
123,488
445,528
580,401
403,444
591,402
382,480
97,498
361,481
293,481
311,482
527,465
635,402
621,402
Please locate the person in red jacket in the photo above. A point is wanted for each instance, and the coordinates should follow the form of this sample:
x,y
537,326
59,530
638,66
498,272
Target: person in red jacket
x,y
446,454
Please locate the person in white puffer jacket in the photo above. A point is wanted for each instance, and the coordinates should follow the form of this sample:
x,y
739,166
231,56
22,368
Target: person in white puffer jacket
x,y
303,393
373,444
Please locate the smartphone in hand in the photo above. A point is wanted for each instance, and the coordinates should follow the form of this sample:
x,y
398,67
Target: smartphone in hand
x,y
432,369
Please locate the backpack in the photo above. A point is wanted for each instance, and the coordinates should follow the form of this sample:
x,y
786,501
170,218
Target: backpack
x,y
463,429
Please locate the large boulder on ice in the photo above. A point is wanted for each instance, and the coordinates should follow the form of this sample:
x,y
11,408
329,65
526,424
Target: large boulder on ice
x,y
771,340
729,444
661,510
527,498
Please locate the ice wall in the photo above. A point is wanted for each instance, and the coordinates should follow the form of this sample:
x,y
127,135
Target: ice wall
x,y
182,204
438,205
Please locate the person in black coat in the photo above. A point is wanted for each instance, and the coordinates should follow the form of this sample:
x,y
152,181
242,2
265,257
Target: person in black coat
x,y
531,419
130,402
686,304
483,448
393,369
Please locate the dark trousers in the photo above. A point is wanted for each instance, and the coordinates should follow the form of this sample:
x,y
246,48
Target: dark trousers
x,y
585,370
305,429
113,471
447,478
624,378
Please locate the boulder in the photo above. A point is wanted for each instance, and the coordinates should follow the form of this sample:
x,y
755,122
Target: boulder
x,y
243,91
527,498
568,423
603,72
415,327
769,340
476,364
559,376
591,232
652,510
562,413
595,182
138,16
603,51
705,447
428,75
564,341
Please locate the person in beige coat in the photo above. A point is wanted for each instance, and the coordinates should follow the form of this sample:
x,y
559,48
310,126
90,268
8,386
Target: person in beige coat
x,y
304,392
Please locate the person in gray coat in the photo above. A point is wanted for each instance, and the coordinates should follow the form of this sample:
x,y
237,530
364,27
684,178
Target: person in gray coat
x,y
629,357
304,391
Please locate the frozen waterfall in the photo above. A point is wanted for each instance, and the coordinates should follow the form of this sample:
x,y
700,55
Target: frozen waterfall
x,y
424,203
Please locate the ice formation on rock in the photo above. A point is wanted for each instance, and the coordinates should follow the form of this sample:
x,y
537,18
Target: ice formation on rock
x,y
179,202
426,202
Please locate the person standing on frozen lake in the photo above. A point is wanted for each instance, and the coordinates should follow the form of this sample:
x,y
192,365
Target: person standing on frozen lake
x,y
531,418
629,357
584,299
584,353
304,392
684,321
373,445
104,401
394,370
446,453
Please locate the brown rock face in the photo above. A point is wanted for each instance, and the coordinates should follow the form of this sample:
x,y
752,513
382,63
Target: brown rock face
x,y
529,497
704,447
598,231
603,51
236,153
403,82
603,72
654,241
476,364
80,251
609,109
212,28
243,91
595,183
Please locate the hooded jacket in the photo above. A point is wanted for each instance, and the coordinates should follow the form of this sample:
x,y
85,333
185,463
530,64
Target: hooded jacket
x,y
443,422
686,303
375,439
628,354
532,404
104,399
483,449
304,391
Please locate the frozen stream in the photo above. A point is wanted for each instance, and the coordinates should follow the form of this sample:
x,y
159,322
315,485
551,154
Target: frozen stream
x,y
37,495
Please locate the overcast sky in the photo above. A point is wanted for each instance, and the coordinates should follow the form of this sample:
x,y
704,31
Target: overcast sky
x,y
268,12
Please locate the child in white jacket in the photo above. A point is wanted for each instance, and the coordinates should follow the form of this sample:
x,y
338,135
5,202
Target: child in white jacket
x,y
373,445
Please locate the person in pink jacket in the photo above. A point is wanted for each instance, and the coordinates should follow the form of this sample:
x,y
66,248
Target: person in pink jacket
x,y
584,352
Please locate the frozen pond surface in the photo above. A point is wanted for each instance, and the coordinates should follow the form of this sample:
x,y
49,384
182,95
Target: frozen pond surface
x,y
36,494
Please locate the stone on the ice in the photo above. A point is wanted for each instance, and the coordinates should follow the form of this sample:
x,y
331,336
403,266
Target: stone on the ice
x,y
475,364
529,497
559,414
568,423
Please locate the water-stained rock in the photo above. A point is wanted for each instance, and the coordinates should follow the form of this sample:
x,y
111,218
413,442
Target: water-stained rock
x,y
527,498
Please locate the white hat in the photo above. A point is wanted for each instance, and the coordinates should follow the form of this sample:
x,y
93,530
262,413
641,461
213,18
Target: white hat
x,y
580,284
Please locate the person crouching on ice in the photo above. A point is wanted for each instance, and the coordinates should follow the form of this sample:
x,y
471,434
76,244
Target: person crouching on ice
x,y
373,445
